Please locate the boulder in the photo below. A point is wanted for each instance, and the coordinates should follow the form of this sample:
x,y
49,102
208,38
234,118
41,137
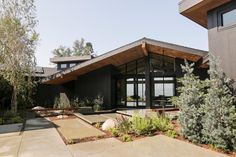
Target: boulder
x,y
38,108
109,123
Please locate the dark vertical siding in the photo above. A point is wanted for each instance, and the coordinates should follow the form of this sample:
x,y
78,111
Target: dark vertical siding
x,y
46,94
97,82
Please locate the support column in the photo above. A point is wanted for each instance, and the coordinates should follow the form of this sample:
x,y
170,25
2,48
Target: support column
x,y
148,83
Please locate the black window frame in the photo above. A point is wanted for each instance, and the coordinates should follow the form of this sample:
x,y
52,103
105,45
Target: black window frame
x,y
224,10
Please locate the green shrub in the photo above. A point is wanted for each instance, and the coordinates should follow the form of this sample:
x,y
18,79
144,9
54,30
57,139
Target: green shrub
x,y
141,126
171,133
61,102
98,125
98,103
114,132
190,101
8,115
160,123
124,125
71,141
1,121
126,138
17,119
219,121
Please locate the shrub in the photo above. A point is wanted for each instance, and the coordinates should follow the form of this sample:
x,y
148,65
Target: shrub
x,y
141,126
219,122
1,121
189,101
17,119
160,123
124,125
71,141
8,115
61,102
171,133
98,102
98,125
114,132
126,138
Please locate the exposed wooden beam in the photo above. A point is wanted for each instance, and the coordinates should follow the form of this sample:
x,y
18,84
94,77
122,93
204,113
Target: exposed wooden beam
x,y
144,48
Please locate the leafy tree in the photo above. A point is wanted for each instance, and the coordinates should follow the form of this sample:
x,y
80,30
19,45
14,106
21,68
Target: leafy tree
x,y
62,52
17,45
189,101
80,48
219,122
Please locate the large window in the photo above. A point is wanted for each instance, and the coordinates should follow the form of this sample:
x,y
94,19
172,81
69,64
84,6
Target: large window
x,y
229,18
164,87
162,64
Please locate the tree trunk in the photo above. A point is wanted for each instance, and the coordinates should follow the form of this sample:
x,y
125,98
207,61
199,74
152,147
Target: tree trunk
x,y
14,101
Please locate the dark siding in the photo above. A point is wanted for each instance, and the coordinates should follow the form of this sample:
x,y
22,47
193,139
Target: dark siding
x,y
97,82
46,94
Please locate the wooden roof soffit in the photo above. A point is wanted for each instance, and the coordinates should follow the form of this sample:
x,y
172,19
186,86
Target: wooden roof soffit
x,y
144,48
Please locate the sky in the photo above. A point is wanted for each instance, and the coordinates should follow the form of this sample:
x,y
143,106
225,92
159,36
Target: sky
x,y
109,24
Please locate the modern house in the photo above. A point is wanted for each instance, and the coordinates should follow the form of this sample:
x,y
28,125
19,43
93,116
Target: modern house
x,y
219,17
140,74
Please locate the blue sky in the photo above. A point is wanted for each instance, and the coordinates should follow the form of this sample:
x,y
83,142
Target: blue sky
x,y
109,24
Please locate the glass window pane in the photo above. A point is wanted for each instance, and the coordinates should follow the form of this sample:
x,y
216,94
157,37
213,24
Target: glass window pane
x,y
168,78
131,68
229,17
63,65
169,89
141,92
159,89
162,64
141,66
72,64
122,69
130,95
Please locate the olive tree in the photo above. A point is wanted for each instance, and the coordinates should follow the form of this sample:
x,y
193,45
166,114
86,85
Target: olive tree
x,y
18,41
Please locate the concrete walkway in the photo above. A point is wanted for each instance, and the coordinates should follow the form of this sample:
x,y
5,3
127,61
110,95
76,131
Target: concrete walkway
x,y
76,129
42,139
39,139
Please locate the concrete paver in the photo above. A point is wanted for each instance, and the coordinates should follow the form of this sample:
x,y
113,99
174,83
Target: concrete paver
x,y
10,129
94,147
42,139
76,128
157,146
110,115
91,119
9,146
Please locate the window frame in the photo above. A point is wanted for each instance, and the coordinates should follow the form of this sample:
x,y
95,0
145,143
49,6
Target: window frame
x,y
223,11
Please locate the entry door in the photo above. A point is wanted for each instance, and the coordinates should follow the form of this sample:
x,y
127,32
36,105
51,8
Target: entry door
x,y
141,92
135,92
131,95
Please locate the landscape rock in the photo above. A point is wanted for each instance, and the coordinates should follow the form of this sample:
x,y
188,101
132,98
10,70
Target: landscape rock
x,y
109,123
38,108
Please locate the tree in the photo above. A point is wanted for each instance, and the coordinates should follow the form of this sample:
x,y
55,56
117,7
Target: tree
x,y
80,48
219,122
189,102
62,52
18,41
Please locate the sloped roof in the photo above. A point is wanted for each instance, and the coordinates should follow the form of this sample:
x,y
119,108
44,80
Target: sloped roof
x,y
45,71
125,54
70,59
